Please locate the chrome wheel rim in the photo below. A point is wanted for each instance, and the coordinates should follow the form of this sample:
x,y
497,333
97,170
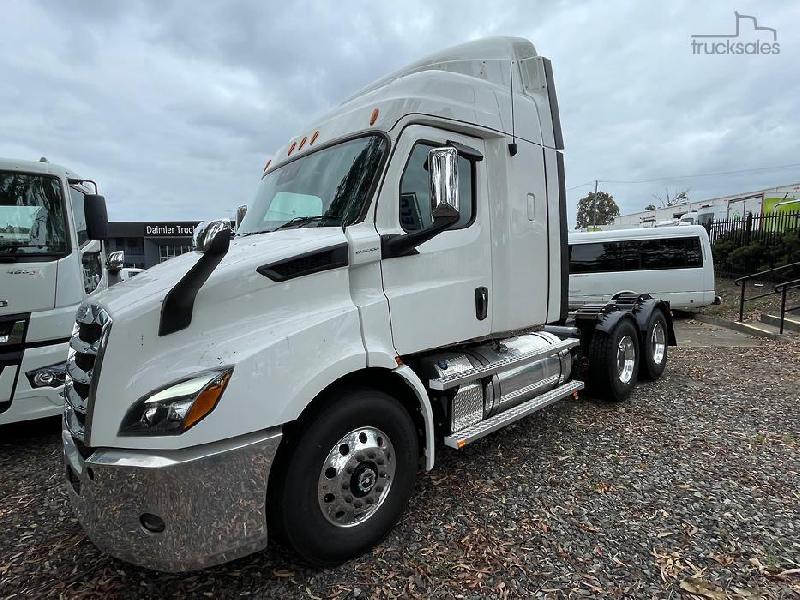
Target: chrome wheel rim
x,y
626,359
658,343
356,477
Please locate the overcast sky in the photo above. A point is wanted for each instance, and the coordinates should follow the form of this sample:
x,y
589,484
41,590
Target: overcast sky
x,y
175,106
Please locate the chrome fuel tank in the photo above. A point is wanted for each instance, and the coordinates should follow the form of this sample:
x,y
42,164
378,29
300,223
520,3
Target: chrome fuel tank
x,y
536,363
523,381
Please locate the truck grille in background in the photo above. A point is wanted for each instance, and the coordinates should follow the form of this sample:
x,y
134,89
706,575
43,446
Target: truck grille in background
x,y
89,335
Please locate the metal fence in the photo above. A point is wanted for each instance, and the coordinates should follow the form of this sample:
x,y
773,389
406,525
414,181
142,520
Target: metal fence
x,y
766,228
759,239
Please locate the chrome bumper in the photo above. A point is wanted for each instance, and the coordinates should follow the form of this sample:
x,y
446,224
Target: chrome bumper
x,y
211,498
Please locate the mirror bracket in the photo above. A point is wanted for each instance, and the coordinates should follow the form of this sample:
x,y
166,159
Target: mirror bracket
x,y
405,244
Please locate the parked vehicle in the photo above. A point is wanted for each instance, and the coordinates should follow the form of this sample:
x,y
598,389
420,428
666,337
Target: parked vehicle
x,y
297,374
670,263
51,260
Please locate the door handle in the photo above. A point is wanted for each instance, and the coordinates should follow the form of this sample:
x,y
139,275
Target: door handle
x,y
481,303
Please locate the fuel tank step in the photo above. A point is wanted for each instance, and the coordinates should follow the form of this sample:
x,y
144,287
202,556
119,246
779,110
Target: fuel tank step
x,y
483,428
447,382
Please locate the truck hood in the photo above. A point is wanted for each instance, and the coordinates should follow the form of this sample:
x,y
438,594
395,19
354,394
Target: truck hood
x,y
27,286
235,275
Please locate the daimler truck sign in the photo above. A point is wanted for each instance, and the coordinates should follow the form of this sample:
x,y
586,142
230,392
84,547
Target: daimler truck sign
x,y
169,229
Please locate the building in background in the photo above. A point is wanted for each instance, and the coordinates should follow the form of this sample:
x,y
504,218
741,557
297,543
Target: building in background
x,y
776,199
150,242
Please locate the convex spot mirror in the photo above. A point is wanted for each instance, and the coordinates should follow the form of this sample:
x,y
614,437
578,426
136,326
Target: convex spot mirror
x,y
115,261
443,170
207,232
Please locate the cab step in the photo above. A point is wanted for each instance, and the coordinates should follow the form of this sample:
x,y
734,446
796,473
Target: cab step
x,y
461,377
483,428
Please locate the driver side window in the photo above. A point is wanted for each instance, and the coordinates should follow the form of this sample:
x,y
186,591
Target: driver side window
x,y
92,263
416,211
77,215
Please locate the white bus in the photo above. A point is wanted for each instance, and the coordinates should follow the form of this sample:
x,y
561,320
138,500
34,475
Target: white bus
x,y
669,263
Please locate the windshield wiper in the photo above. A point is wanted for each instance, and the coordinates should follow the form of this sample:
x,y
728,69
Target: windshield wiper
x,y
304,220
294,222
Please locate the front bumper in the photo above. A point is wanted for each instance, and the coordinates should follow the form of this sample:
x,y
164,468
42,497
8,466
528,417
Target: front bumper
x,y
211,498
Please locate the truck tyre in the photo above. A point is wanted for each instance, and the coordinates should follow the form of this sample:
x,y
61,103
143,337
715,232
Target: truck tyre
x,y
347,477
614,361
655,346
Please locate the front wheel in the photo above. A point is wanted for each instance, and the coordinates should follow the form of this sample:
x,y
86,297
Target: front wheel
x,y
347,477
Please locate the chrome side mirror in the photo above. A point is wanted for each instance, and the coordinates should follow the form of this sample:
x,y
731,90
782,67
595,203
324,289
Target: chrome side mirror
x,y
115,261
443,169
208,231
240,213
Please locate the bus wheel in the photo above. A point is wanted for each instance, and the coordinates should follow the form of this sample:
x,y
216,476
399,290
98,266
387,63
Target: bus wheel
x,y
614,361
655,346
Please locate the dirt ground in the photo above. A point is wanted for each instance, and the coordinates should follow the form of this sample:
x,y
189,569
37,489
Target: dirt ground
x,y
730,293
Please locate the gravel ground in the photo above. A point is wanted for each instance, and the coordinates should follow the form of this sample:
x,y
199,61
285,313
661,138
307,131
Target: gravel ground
x,y
691,487
730,293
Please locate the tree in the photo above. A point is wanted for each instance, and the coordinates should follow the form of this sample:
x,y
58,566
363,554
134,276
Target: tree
x,y
672,198
650,207
596,209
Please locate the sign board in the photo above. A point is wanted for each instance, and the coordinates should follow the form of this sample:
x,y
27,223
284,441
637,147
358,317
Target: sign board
x,y
169,229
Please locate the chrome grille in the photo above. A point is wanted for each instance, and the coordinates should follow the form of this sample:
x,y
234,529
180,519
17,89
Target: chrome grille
x,y
92,324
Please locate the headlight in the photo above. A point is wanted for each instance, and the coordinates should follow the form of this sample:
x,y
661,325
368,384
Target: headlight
x,y
176,408
52,376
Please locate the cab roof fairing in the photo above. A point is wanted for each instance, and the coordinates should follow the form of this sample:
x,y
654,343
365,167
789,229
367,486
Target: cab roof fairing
x,y
468,83
43,168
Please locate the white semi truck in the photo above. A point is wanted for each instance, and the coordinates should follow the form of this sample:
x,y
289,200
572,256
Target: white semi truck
x,y
51,260
398,284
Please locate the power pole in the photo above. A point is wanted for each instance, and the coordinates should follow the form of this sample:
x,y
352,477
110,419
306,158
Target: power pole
x,y
594,206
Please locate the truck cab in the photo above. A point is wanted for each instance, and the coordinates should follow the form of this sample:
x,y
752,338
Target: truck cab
x,y
50,262
398,285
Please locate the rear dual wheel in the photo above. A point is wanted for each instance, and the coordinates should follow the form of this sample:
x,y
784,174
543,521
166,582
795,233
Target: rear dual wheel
x,y
614,361
346,478
617,360
655,346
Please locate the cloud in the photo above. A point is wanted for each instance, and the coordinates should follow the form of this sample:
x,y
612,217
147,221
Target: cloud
x,y
175,107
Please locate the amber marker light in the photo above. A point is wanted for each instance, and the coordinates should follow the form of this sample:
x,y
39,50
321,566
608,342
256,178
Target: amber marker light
x,y
374,116
266,166
302,143
206,401
314,137
291,149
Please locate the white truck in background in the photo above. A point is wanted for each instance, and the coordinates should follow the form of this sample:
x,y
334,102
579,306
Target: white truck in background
x,y
398,283
51,260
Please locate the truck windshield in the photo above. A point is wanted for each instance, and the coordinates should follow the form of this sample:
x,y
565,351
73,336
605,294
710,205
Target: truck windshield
x,y
31,214
327,188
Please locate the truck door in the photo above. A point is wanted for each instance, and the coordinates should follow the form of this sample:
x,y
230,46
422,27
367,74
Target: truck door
x,y
440,293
